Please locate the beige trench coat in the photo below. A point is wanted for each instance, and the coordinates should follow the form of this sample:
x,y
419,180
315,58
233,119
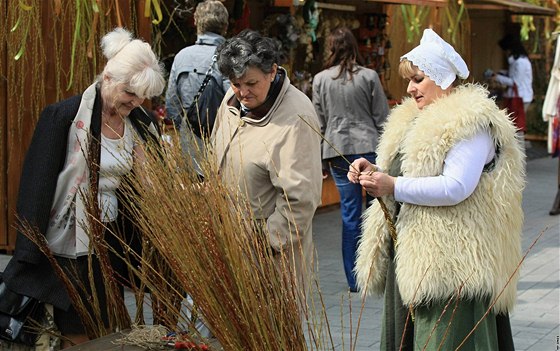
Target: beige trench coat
x,y
276,162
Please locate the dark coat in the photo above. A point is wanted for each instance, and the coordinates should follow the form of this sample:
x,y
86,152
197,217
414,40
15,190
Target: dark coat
x,y
29,272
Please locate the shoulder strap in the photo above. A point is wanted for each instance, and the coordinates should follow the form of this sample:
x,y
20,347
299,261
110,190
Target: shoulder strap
x,y
206,79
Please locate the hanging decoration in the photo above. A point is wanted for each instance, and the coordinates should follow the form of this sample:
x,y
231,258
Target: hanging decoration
x,y
453,18
413,18
374,44
454,13
27,21
157,8
284,28
311,18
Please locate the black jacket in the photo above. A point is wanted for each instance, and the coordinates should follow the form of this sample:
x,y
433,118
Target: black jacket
x,y
29,271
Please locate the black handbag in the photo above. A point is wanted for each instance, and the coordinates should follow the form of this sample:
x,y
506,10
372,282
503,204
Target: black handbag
x,y
201,114
20,316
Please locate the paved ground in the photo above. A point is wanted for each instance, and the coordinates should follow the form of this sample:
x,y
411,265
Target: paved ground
x,y
536,319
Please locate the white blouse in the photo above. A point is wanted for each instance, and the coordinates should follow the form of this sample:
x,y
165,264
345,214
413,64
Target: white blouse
x,y
520,72
462,169
116,160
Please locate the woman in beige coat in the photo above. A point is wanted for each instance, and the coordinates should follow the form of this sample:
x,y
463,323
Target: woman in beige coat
x,y
266,146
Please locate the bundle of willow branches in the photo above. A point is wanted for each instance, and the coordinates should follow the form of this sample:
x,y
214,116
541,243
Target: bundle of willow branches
x,y
203,231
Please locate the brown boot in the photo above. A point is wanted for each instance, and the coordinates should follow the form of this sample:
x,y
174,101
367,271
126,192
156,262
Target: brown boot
x,y
556,206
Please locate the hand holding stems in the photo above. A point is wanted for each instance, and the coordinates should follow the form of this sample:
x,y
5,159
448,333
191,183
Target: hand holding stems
x,y
368,176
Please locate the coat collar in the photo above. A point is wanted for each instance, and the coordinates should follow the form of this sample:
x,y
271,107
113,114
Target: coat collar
x,y
209,38
230,122
261,115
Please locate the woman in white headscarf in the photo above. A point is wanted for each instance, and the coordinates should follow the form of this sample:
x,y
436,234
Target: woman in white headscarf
x,y
451,172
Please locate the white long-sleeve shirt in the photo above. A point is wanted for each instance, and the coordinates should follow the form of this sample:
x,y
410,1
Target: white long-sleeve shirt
x,y
461,173
520,72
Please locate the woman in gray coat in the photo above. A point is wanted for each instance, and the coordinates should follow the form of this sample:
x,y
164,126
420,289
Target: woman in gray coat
x,y
352,108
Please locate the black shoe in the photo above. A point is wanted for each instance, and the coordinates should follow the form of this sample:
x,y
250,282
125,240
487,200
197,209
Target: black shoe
x,y
556,206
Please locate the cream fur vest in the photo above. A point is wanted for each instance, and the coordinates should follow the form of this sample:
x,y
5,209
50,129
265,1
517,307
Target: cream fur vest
x,y
471,249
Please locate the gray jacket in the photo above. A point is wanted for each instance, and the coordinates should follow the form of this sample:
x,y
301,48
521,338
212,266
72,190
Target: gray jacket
x,y
351,112
187,73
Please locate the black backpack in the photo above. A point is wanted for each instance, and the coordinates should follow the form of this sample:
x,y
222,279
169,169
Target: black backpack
x,y
201,114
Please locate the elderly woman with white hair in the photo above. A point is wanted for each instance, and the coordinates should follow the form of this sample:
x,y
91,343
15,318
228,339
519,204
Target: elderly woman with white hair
x,y
451,172
87,143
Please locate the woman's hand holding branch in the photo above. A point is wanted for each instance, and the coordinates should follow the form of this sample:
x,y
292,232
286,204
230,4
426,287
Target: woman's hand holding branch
x,y
374,182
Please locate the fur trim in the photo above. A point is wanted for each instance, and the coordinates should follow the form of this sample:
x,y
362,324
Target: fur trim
x,y
372,255
470,249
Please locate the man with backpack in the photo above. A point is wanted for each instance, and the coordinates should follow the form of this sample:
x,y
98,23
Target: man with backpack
x,y
190,68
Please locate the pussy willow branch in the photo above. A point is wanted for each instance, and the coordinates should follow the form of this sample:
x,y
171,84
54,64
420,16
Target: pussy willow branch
x,y
388,217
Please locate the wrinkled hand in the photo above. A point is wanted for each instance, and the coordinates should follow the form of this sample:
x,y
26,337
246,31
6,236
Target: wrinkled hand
x,y
357,167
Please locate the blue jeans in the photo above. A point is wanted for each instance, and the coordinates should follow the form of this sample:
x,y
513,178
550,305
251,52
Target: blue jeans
x,y
351,211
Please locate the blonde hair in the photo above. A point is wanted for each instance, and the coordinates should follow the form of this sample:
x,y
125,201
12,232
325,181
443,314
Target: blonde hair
x,y
133,63
407,69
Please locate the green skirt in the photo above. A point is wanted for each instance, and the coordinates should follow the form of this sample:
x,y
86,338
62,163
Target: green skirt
x,y
441,325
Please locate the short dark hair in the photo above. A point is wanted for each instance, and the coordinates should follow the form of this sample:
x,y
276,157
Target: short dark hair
x,y
513,43
248,49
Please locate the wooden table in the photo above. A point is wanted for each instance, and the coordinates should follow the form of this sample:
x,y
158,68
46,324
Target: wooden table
x,y
105,343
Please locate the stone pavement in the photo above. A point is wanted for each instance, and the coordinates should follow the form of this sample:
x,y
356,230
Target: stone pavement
x,y
536,318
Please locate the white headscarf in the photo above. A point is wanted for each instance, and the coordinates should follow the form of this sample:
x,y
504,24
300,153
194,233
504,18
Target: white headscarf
x,y
437,59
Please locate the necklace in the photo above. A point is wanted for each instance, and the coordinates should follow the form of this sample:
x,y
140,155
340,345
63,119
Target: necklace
x,y
113,127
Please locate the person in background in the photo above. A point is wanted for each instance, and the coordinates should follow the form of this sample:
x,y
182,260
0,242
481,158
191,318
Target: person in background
x,y
551,115
191,64
352,108
95,138
520,71
266,146
442,152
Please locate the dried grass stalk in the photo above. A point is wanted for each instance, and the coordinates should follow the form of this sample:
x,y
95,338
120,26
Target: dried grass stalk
x,y
219,256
